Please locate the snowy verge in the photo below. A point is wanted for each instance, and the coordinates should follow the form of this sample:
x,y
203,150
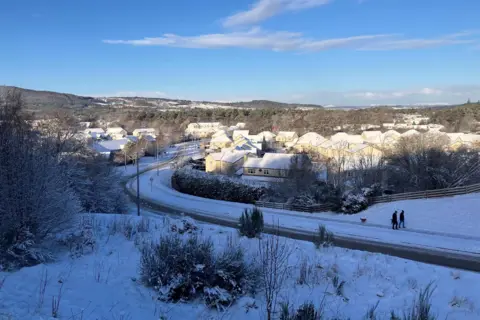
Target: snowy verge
x,y
104,283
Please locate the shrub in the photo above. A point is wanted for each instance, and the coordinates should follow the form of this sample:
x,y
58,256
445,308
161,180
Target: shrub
x,y
251,223
420,308
202,184
324,238
182,270
354,202
306,311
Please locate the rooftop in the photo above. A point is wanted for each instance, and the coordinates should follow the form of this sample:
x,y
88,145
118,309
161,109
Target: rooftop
x,y
270,161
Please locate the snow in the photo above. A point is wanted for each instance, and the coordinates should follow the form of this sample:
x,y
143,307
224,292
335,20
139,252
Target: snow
x,y
286,134
230,156
448,236
110,145
311,138
221,138
105,284
270,161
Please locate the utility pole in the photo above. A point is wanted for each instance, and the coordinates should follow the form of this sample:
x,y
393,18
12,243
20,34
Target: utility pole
x,y
138,185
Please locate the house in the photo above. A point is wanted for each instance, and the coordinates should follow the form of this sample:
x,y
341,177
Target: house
x,y
202,129
108,147
116,133
286,136
225,162
244,143
219,133
389,125
240,133
410,133
94,133
374,137
220,142
309,141
240,125
339,136
272,165
144,132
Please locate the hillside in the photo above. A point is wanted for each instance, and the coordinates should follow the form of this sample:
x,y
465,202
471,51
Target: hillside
x,y
47,100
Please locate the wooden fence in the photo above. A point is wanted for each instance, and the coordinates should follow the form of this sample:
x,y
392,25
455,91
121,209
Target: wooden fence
x,y
438,193
283,206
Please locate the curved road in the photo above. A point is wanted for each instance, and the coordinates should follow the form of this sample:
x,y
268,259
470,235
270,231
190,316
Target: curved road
x,y
432,256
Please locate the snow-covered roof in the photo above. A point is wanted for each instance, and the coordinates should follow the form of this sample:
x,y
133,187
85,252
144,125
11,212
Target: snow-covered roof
x,y
230,156
144,130
371,134
286,134
240,125
410,132
110,145
270,161
115,130
94,130
267,135
392,134
244,133
470,137
219,133
354,138
311,138
132,138
339,136
221,138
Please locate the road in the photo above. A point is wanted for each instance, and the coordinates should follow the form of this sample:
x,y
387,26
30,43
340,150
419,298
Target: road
x,y
426,255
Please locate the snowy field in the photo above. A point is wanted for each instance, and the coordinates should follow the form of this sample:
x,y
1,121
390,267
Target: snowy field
x,y
103,283
340,224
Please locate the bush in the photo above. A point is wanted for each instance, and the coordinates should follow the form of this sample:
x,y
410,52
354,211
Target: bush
x,y
251,223
182,270
354,202
324,238
421,307
306,311
202,184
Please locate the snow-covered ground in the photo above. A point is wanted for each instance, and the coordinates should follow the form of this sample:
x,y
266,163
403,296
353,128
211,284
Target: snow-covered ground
x,y
377,230
456,215
103,283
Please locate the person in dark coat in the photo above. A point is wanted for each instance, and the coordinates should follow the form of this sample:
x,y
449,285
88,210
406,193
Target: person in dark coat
x,y
394,220
402,219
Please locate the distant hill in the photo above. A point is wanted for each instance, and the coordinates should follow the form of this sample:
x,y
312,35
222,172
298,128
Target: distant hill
x,y
44,100
48,100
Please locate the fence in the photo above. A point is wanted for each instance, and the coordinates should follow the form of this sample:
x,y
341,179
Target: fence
x,y
438,193
283,206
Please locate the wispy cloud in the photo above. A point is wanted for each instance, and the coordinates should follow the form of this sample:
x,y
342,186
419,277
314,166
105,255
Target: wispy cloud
x,y
426,95
265,9
465,37
257,38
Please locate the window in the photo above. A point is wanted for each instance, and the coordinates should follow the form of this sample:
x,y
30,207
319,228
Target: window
x,y
251,171
265,171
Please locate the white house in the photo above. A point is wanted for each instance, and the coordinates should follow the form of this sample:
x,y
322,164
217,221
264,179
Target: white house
x,y
240,133
116,133
107,147
94,133
144,132
272,167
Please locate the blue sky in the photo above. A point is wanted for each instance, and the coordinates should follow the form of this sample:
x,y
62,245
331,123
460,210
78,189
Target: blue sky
x,y
341,52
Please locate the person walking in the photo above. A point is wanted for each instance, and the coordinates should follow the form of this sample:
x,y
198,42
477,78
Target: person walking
x,y
402,219
394,220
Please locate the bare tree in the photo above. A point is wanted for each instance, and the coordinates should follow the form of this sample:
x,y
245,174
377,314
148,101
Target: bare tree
x,y
274,254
